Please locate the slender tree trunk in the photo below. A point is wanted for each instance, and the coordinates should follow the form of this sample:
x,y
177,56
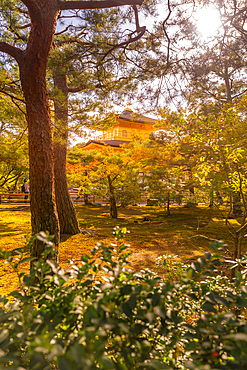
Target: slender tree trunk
x,y
236,204
219,197
86,196
168,204
191,188
113,204
227,84
33,63
211,196
16,181
236,210
65,208
86,200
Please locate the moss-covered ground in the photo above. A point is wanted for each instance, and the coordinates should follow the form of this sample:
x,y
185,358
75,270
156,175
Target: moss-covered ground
x,y
186,233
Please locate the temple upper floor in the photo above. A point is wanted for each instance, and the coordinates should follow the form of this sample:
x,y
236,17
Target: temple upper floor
x,y
129,124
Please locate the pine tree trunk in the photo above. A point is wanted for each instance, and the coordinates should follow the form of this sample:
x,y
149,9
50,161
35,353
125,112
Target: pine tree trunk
x,y
33,65
41,176
65,208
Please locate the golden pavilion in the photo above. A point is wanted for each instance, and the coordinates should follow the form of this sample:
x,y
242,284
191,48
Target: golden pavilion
x,y
128,125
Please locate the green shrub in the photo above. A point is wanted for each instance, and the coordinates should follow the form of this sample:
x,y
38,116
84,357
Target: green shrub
x,y
101,315
170,267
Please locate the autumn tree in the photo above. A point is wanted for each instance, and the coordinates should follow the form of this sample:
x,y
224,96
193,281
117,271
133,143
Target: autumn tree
x,y
219,142
164,171
112,174
38,19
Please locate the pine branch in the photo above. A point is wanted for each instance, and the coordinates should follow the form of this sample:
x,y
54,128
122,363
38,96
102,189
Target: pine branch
x,y
12,96
66,5
166,34
75,89
11,50
24,26
140,32
63,31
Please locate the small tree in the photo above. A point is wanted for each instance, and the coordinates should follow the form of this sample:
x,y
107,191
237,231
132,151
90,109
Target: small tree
x,y
113,174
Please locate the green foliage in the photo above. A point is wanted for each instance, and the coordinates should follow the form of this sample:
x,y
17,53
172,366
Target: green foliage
x,y
171,267
212,141
101,315
13,161
13,127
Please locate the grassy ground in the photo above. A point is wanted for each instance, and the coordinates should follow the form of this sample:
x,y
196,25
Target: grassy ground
x,y
175,234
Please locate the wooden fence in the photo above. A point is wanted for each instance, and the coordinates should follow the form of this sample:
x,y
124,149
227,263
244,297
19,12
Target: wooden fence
x,y
12,197
18,197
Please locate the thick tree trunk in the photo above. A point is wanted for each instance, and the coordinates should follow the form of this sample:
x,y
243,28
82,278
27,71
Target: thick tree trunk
x,y
42,204
65,208
33,65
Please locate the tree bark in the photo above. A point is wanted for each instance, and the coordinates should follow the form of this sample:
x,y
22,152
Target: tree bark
x,y
33,65
65,208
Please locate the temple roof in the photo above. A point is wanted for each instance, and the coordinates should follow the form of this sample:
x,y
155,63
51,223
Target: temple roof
x,y
114,143
129,115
